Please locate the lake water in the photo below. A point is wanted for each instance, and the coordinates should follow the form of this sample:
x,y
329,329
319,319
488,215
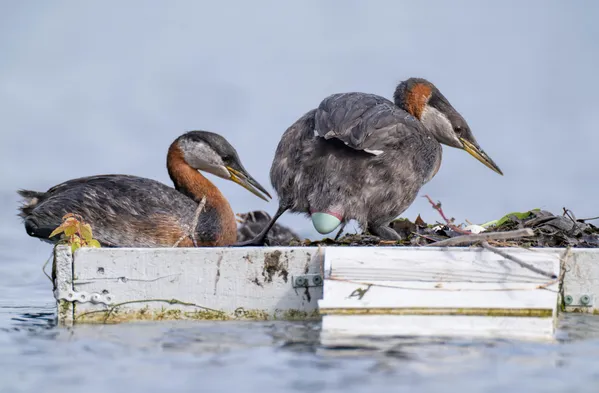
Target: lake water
x,y
35,355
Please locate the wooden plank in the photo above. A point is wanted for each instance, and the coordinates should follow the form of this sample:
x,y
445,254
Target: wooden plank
x,y
201,283
455,264
426,291
337,329
582,279
62,276
342,294
250,282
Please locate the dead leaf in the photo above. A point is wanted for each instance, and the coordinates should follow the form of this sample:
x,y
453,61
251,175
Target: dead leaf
x,y
420,222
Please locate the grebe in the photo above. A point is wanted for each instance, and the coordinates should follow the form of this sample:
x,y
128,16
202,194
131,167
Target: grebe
x,y
360,156
130,211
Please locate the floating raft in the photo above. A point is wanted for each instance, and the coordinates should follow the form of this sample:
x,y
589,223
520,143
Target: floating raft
x,y
356,291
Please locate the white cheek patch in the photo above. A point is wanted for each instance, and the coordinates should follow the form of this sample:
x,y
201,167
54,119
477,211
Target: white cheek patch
x,y
437,123
220,171
203,158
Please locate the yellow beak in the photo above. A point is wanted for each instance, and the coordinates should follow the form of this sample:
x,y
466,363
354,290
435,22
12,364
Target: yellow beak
x,y
247,182
480,155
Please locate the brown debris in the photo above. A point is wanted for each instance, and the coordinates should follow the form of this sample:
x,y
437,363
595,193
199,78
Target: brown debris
x,y
550,230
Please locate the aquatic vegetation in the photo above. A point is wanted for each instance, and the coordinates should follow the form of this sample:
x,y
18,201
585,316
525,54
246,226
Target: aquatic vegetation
x,y
75,232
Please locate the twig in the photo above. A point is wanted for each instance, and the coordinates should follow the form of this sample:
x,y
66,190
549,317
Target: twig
x,y
437,207
424,236
500,243
588,219
517,260
469,239
169,301
570,214
194,224
44,267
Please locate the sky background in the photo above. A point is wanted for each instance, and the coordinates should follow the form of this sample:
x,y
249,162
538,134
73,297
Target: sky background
x,y
104,87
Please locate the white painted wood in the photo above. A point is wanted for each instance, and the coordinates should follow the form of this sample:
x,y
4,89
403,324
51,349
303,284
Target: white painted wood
x,y
250,282
337,329
451,264
582,278
234,279
341,294
62,275
413,282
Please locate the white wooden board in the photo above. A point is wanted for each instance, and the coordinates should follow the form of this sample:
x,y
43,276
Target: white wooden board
x,y
439,292
206,283
373,289
581,279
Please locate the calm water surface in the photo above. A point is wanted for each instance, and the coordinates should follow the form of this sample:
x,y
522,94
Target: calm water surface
x,y
35,355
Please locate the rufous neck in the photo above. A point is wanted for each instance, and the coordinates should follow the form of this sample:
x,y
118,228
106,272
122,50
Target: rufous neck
x,y
189,181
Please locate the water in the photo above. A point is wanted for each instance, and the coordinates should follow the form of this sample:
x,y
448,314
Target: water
x,y
36,355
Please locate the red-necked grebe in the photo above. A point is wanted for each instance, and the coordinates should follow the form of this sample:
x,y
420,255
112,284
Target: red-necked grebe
x,y
360,156
129,211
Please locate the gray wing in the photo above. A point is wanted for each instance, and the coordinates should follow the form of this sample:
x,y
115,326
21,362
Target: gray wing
x,y
363,121
118,207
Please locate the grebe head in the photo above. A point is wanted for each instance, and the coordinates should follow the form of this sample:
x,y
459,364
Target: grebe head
x,y
423,100
210,152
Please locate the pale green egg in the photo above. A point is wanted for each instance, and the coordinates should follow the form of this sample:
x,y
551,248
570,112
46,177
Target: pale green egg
x,y
325,223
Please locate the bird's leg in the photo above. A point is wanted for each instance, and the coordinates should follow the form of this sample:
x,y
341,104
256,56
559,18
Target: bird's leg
x,y
340,230
384,232
259,239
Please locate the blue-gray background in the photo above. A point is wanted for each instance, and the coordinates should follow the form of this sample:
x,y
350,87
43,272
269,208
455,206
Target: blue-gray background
x,y
89,87
104,87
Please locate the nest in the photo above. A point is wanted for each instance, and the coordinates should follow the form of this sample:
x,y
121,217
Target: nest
x,y
550,230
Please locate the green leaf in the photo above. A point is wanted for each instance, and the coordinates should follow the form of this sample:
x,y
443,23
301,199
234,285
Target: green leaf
x,y
58,230
75,246
502,220
94,243
86,232
70,230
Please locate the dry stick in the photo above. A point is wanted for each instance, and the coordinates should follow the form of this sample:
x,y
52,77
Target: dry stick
x,y
517,260
194,224
490,236
437,207
46,264
569,213
469,239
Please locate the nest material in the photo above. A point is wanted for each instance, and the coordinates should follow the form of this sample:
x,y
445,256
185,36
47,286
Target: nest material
x,y
550,230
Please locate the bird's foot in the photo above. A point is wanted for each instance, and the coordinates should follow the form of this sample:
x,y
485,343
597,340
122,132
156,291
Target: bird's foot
x,y
255,242
384,232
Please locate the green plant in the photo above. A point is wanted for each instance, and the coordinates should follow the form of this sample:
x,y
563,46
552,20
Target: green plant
x,y
76,232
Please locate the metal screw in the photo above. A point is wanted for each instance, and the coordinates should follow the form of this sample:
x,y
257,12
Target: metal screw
x,y
96,298
317,280
585,300
301,281
568,300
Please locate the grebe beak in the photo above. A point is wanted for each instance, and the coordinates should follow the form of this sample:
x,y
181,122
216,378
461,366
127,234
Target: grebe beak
x,y
478,153
246,181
